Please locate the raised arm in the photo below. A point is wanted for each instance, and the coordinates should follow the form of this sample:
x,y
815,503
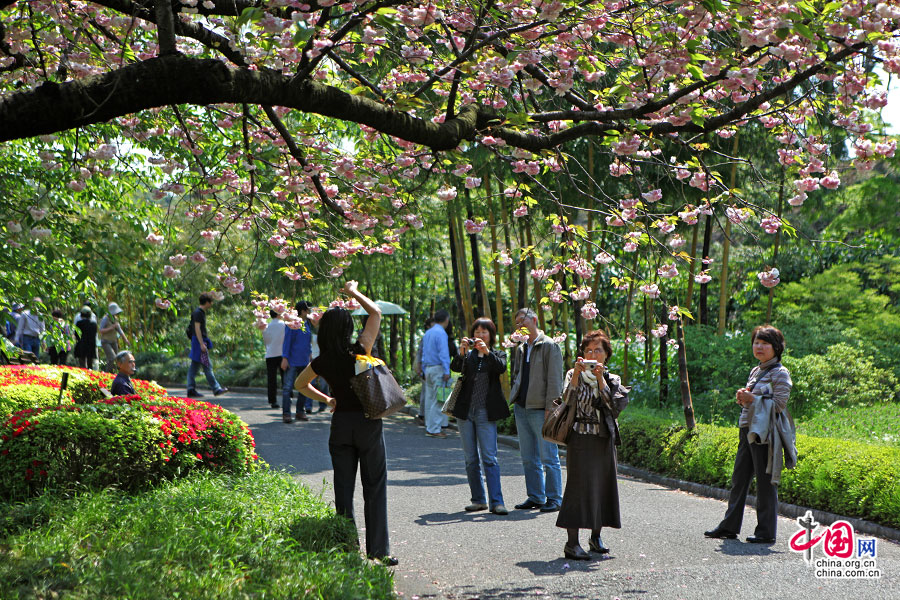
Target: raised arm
x,y
373,324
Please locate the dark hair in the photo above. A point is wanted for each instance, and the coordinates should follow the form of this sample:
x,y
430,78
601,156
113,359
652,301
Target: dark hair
x,y
487,324
86,312
205,298
441,316
272,314
336,333
772,335
302,305
593,336
57,312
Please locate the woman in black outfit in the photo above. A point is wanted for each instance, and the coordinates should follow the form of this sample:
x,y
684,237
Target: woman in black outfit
x,y
591,499
479,406
354,440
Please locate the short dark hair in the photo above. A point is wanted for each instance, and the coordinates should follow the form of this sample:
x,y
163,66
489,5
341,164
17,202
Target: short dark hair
x,y
302,305
206,298
487,324
441,316
57,312
593,336
772,335
272,314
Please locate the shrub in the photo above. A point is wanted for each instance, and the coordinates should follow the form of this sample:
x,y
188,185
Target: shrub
x,y
849,478
28,387
257,535
844,376
128,442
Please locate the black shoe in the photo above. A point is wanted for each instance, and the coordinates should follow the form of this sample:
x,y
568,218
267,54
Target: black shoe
x,y
220,391
301,416
575,552
550,507
388,561
754,539
596,545
528,505
322,407
194,394
287,419
274,405
720,533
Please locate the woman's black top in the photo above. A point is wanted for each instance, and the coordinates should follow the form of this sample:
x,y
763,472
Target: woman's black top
x,y
337,371
86,346
494,364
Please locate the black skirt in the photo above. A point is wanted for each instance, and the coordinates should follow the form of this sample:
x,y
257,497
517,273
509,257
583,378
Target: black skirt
x,y
591,499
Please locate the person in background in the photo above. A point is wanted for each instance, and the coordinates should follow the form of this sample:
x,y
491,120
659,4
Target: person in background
x,y
30,328
479,405
355,442
86,334
273,336
296,350
319,382
121,385
200,347
110,330
417,368
537,377
59,353
436,365
11,318
591,499
768,381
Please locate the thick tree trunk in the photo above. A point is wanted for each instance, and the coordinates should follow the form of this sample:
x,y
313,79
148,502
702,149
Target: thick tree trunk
x,y
685,380
484,308
692,269
454,263
393,343
723,280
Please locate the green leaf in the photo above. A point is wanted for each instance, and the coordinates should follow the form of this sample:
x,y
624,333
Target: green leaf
x,y
696,71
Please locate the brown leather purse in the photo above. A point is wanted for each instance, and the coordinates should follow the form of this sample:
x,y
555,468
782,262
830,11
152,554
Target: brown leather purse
x,y
558,425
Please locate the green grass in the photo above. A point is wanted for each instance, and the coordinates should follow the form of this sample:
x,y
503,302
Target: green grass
x,y
252,536
878,424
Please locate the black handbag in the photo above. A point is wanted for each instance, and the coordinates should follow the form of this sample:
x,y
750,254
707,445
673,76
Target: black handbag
x,y
378,391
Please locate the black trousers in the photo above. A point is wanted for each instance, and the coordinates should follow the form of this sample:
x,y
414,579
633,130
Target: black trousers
x,y
57,357
273,368
356,440
751,461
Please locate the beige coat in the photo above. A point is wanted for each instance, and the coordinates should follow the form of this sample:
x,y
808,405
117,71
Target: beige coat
x,y
546,373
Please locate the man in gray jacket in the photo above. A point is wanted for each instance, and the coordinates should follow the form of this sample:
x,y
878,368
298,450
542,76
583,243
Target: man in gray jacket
x,y
537,379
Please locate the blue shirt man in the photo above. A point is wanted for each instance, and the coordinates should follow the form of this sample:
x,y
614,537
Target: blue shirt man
x,y
436,365
296,352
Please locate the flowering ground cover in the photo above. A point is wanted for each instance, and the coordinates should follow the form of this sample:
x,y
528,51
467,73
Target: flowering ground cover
x,y
130,442
255,535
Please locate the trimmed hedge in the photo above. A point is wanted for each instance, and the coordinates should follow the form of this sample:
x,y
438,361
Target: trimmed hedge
x,y
128,442
844,477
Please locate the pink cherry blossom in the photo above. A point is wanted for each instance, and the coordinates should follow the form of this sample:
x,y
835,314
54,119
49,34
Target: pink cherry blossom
x,y
673,313
521,211
177,260
831,181
650,289
702,277
37,213
473,182
40,232
198,257
504,258
155,239
14,226
163,303
659,331
603,258
652,195
769,278
473,227
589,311
770,224
668,271
446,193
171,272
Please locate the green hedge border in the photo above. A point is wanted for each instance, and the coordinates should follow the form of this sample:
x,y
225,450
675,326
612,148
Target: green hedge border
x,y
849,478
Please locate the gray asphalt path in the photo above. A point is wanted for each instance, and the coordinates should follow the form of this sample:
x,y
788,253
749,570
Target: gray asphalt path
x,y
444,552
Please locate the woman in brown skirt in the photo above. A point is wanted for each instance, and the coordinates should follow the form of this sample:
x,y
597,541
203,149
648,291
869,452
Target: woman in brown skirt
x,y
591,499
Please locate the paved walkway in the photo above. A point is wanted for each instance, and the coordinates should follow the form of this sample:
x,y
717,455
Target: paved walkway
x,y
447,553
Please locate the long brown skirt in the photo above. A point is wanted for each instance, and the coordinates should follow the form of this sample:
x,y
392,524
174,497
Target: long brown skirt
x,y
591,499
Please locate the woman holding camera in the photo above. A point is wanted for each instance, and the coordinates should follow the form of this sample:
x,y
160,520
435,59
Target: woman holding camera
x,y
769,381
591,499
479,405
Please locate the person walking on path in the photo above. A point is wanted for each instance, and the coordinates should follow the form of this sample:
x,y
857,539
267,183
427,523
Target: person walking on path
x,y
591,499
200,347
420,371
86,344
59,348
355,441
769,382
436,365
537,378
30,328
110,329
479,405
273,336
296,350
121,385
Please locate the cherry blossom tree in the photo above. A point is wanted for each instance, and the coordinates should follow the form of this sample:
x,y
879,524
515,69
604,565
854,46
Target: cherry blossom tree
x,y
325,128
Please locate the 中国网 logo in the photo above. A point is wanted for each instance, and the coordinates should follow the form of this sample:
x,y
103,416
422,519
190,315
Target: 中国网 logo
x,y
846,555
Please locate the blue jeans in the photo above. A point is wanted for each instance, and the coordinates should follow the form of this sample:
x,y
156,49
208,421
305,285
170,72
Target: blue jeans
x,y
210,378
476,433
540,458
434,418
31,343
289,377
